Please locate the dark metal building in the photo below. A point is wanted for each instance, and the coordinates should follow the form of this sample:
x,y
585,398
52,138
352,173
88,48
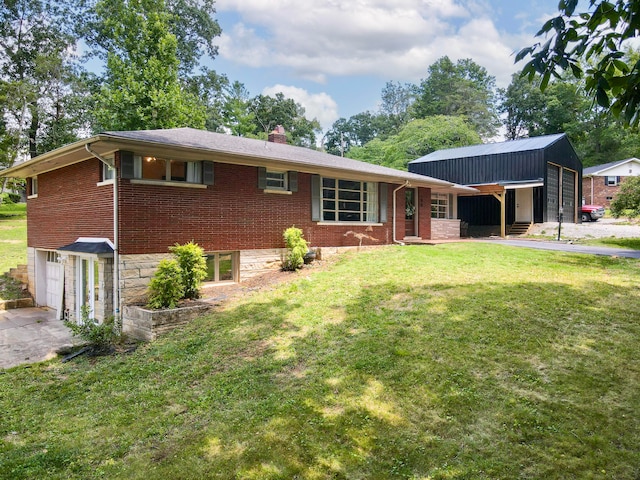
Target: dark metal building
x,y
532,179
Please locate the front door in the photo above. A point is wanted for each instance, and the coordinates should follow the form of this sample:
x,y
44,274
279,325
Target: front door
x,y
410,213
524,205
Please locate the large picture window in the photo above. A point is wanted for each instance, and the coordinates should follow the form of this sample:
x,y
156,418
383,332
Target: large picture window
x,y
439,205
349,201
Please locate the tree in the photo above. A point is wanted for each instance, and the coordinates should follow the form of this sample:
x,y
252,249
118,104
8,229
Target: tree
x,y
599,34
461,89
397,100
523,106
273,111
141,88
564,107
192,23
353,132
36,77
416,139
236,114
627,201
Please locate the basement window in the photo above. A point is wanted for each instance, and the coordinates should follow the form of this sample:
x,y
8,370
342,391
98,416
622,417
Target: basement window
x,y
221,267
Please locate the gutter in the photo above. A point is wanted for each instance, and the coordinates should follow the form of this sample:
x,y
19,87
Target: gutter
x,y
405,185
116,250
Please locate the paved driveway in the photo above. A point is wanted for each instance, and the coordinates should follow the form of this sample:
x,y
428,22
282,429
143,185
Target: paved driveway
x,y
568,247
30,335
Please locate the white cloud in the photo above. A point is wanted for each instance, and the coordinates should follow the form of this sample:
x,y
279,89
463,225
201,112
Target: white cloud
x,y
317,105
391,39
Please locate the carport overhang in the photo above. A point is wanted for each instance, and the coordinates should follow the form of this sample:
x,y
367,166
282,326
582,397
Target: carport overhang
x,y
499,191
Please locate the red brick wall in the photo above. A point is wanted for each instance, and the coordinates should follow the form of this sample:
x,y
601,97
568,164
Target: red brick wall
x,y
70,205
424,210
600,191
233,214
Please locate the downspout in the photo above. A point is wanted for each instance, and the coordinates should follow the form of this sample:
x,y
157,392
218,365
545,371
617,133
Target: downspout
x,y
395,240
116,250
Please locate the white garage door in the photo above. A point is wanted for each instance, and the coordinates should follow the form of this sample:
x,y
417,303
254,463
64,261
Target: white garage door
x,y
54,281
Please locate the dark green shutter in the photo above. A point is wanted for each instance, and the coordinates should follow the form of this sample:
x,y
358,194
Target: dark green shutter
x,y
207,173
262,178
315,198
127,167
451,197
293,181
384,192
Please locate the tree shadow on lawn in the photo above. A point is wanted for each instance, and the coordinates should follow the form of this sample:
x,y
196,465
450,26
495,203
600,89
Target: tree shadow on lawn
x,y
396,381
413,382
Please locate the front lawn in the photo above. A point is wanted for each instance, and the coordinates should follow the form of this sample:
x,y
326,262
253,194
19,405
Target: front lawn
x,y
629,243
13,235
455,361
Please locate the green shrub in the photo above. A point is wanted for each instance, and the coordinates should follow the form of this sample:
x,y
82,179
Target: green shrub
x,y
191,260
100,336
297,248
9,197
166,288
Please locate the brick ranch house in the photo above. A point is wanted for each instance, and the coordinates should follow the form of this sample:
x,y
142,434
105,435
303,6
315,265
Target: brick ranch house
x,y
601,183
102,212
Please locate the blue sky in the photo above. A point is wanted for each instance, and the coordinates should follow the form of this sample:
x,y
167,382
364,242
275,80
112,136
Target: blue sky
x,y
335,56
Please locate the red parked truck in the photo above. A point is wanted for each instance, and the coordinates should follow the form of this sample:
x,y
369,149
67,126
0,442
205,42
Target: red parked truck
x,y
591,213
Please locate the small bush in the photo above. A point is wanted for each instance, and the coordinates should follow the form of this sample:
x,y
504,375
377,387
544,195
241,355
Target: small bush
x,y
297,247
191,260
100,336
166,287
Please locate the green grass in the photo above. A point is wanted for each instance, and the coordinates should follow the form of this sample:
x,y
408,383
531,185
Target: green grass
x,y
13,235
458,361
628,243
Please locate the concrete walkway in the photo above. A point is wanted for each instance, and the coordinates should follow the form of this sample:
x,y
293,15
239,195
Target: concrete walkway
x,y
30,335
566,247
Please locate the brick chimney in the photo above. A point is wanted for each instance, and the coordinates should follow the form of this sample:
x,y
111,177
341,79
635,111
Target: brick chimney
x,y
278,135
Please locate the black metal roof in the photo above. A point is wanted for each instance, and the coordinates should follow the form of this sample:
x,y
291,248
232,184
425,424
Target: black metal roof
x,y
511,146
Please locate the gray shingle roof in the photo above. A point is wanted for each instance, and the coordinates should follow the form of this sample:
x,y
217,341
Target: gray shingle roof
x,y
604,166
522,145
249,147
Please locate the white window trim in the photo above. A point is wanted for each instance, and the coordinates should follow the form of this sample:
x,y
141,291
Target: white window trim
x,y
349,224
105,182
439,196
278,192
283,189
167,183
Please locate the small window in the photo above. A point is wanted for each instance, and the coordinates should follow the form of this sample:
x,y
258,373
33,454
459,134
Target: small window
x,y
439,205
276,180
108,173
221,266
33,193
612,181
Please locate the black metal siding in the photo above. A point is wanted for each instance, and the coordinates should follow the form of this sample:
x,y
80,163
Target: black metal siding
x,y
512,167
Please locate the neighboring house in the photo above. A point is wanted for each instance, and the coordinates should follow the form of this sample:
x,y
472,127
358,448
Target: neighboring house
x,y
601,183
523,181
102,212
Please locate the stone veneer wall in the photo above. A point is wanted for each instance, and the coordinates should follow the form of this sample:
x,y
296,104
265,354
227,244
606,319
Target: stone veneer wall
x,y
442,229
31,270
136,271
